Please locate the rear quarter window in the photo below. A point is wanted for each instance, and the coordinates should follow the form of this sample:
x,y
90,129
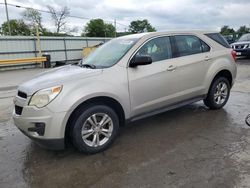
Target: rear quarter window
x,y
217,37
205,47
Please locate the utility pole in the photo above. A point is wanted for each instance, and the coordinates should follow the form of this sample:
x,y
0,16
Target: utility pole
x,y
38,42
7,15
115,27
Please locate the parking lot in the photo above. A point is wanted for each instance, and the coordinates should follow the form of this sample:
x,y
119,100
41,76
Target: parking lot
x,y
187,147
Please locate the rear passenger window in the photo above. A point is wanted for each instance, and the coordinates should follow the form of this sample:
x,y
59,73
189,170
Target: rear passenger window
x,y
188,45
158,49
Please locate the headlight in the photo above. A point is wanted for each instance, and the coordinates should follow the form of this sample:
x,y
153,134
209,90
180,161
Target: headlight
x,y
44,96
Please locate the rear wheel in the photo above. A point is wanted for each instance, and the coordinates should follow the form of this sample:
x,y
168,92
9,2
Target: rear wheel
x,y
95,129
218,93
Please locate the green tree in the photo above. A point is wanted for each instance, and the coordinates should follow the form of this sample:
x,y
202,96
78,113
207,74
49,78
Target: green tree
x,y
18,27
34,19
225,30
120,34
97,28
243,29
54,34
140,26
109,30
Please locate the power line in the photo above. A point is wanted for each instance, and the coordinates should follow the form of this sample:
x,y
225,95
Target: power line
x,y
40,10
46,11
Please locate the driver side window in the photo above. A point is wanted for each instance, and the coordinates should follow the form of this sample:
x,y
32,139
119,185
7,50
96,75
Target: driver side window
x,y
158,49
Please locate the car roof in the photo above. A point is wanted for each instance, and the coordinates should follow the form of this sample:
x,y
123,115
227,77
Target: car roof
x,y
140,35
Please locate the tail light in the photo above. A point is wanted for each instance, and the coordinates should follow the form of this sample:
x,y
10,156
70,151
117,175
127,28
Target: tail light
x,y
233,54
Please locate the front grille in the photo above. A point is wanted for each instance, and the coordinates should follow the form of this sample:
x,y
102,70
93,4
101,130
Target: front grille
x,y
18,110
22,94
238,47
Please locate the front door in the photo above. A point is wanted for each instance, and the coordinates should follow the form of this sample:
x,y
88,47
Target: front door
x,y
153,86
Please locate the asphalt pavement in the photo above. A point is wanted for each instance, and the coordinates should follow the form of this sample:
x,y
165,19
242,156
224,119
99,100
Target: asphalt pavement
x,y
187,147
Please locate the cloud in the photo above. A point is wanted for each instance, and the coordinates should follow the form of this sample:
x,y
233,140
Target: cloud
x,y
162,14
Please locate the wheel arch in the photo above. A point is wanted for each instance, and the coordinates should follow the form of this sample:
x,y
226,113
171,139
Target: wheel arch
x,y
224,73
103,100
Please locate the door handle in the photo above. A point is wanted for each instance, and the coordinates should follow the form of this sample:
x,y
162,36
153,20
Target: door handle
x,y
207,58
171,68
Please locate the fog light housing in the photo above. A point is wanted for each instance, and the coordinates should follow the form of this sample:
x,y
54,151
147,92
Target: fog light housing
x,y
39,128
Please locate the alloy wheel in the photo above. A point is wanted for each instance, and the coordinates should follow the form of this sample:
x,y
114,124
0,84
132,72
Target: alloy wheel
x,y
97,129
221,93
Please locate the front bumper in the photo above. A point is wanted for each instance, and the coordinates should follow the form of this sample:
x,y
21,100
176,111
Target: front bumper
x,y
242,52
40,124
53,144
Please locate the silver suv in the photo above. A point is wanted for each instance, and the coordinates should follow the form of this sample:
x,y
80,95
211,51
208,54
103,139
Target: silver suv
x,y
125,79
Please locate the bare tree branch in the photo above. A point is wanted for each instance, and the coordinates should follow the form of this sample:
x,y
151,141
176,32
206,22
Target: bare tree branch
x,y
59,17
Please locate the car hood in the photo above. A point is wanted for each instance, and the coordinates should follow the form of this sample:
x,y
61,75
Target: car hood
x,y
241,43
57,76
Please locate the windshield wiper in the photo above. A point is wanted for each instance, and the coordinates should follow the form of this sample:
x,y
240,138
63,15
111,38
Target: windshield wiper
x,y
88,66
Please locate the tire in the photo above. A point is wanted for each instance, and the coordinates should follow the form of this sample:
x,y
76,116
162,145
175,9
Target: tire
x,y
95,129
218,93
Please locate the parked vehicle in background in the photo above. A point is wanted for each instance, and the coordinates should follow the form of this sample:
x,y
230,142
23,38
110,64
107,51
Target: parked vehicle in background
x,y
230,38
126,79
242,46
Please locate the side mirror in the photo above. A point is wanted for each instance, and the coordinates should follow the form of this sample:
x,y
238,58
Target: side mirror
x,y
140,60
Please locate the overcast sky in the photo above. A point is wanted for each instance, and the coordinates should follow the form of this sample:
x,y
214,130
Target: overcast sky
x,y
162,14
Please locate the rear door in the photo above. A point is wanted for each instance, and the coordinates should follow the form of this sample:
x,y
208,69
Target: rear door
x,y
193,62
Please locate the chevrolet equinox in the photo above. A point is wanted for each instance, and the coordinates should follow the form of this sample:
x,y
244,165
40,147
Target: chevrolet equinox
x,y
127,78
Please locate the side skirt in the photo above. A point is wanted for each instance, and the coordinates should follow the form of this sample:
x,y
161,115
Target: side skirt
x,y
167,108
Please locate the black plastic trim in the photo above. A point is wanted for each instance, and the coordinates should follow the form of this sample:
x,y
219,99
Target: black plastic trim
x,y
166,108
52,144
18,110
22,94
175,52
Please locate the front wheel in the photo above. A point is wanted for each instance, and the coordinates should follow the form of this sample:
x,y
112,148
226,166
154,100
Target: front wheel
x,y
95,129
218,93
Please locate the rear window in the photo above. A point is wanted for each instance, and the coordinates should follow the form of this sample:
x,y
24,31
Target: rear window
x,y
218,38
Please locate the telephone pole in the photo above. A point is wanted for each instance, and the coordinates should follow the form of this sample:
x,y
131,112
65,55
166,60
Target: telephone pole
x,y
7,15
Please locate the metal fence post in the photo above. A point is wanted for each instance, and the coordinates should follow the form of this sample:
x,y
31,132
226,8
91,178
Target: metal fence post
x,y
35,51
65,49
87,42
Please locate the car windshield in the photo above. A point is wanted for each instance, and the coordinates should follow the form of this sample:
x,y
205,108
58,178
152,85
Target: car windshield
x,y
109,53
244,38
